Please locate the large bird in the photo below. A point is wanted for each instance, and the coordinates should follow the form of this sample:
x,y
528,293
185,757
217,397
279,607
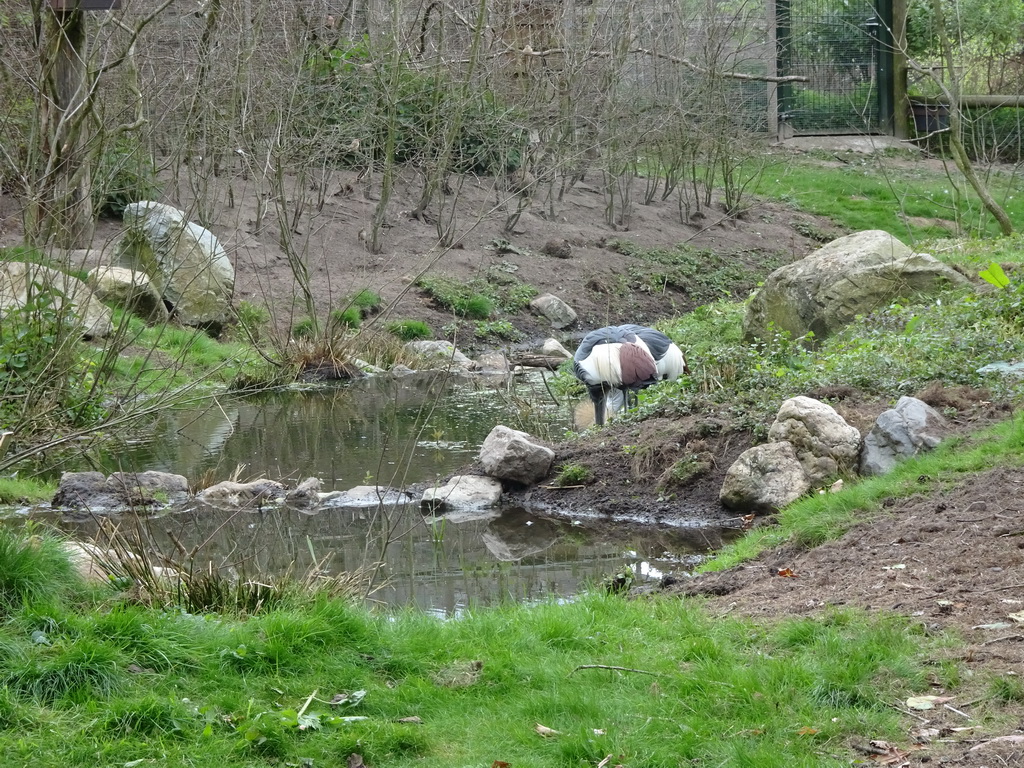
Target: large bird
x,y
619,360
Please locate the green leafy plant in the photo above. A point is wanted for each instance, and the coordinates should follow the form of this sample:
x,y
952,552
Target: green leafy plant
x,y
995,276
304,328
253,319
125,174
574,473
501,329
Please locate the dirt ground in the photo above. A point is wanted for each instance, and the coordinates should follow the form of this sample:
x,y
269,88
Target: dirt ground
x,y
329,231
951,560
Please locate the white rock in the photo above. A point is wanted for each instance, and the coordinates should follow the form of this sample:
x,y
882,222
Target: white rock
x,y
462,492
825,444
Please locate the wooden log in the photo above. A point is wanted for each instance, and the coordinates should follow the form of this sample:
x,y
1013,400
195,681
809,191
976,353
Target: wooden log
x,y
551,362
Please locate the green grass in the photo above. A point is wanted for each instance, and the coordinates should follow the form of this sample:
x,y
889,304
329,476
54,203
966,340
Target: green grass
x,y
15,490
895,351
865,194
410,330
123,682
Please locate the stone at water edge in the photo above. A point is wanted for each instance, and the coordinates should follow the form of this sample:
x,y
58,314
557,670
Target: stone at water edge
x,y
912,427
462,492
554,348
120,492
824,443
231,494
509,454
764,479
441,354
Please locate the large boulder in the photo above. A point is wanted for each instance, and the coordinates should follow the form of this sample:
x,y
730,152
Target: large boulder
x,y
851,276
824,443
25,285
912,427
130,290
509,454
764,478
187,264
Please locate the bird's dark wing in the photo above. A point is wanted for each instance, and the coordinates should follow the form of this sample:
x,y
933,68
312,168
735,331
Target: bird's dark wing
x,y
610,334
656,341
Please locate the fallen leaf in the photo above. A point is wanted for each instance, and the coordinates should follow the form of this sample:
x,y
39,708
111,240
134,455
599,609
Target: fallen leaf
x,y
1017,617
501,764
412,719
748,521
806,731
543,730
787,573
927,702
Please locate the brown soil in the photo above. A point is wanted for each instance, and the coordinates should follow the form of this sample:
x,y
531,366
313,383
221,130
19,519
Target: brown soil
x,y
952,561
603,285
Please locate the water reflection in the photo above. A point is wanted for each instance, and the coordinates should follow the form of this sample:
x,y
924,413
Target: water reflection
x,y
440,565
391,431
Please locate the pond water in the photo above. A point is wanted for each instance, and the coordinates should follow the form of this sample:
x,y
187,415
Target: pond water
x,y
392,432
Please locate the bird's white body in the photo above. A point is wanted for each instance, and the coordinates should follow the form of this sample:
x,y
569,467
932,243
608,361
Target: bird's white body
x,y
619,359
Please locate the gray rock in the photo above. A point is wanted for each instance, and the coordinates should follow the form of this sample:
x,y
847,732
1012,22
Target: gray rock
x,y
257,493
442,354
554,348
1003,368
363,496
508,454
851,276
554,309
462,492
63,291
764,478
492,362
305,494
132,291
824,443
912,427
186,263
121,491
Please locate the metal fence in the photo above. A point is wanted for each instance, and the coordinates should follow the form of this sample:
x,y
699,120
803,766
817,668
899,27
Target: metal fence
x,y
844,49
